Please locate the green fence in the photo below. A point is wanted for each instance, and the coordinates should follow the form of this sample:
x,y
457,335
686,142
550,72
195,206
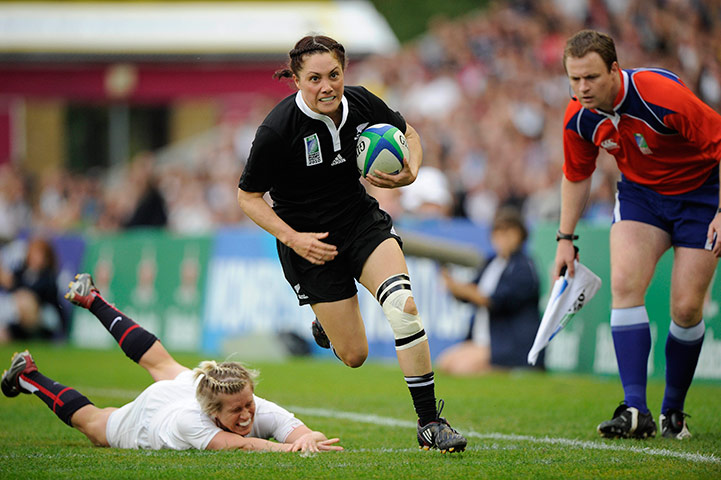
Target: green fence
x,y
160,280
156,278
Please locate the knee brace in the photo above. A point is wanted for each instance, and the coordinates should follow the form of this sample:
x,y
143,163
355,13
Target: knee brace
x,y
407,327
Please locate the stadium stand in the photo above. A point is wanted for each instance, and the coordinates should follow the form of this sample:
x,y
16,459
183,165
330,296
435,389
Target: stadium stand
x,y
486,92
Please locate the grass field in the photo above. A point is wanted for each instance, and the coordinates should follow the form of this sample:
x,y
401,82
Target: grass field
x,y
519,425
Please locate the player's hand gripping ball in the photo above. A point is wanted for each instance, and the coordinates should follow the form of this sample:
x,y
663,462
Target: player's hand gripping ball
x,y
381,147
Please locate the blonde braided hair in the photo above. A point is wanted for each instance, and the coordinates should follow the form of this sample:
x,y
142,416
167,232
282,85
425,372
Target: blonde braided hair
x,y
216,379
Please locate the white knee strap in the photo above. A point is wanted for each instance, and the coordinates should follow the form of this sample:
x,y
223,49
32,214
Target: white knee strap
x,y
407,328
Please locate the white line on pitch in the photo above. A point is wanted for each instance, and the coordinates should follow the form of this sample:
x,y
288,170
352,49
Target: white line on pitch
x,y
393,422
583,444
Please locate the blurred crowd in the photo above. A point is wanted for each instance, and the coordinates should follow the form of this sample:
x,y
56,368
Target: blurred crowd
x,y
29,297
488,95
487,92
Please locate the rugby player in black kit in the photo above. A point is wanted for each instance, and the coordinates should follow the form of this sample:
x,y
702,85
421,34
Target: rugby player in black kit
x,y
329,231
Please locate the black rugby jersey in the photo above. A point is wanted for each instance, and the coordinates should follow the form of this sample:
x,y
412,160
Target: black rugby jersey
x,y
309,166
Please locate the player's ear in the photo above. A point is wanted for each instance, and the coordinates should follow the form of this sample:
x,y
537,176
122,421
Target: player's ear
x,y
296,80
570,93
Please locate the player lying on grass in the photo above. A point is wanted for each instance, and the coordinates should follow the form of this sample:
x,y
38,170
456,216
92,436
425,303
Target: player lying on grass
x,y
211,407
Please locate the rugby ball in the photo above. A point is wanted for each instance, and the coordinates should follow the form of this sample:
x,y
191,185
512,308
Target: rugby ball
x,y
381,147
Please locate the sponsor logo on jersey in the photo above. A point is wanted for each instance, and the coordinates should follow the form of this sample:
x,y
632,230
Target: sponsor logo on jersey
x,y
337,160
642,145
609,144
359,130
312,150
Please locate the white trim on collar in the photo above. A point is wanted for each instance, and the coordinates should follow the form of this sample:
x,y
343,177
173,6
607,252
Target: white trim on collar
x,y
625,77
334,132
615,117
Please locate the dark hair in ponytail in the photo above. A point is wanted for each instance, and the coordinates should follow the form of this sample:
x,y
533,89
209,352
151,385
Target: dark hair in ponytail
x,y
308,45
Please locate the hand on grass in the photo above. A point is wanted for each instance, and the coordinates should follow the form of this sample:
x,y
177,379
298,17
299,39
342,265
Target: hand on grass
x,y
311,443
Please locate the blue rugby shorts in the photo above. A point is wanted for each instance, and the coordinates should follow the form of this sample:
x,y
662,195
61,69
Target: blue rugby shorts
x,y
684,217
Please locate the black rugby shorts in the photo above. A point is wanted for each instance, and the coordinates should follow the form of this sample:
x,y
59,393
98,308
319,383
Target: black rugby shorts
x,y
335,280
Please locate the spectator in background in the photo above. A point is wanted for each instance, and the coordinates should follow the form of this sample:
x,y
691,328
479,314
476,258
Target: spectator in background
x,y
491,89
15,211
429,196
506,292
150,209
29,295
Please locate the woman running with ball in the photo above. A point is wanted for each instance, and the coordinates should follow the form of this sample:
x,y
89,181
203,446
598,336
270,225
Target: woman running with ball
x,y
329,231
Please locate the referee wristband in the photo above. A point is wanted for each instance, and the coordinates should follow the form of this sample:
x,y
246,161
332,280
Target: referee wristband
x,y
565,236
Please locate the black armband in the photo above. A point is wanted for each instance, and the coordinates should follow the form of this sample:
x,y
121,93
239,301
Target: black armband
x,y
565,236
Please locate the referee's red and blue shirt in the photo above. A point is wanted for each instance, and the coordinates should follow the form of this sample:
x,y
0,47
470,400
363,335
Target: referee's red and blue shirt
x,y
661,134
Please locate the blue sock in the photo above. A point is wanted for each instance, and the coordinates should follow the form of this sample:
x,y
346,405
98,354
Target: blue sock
x,y
632,342
683,347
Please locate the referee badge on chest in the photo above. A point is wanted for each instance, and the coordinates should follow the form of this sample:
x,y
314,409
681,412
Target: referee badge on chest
x,y
312,150
642,145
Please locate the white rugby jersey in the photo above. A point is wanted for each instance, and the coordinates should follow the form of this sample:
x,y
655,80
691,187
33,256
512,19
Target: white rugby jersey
x,y
166,415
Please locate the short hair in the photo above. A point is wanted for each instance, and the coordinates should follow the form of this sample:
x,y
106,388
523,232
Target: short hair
x,y
307,45
586,41
510,217
218,379
45,247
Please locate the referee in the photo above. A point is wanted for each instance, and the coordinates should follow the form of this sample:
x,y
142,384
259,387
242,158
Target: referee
x,y
667,145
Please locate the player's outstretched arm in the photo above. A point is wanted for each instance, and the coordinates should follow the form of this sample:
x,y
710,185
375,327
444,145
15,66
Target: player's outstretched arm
x,y
303,439
232,441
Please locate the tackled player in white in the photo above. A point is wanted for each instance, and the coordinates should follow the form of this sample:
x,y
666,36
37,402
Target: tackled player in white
x,y
212,407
